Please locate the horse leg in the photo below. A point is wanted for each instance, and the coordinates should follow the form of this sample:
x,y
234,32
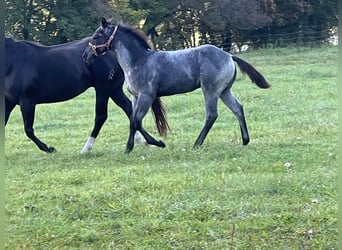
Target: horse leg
x,y
210,117
120,99
101,111
27,110
140,108
233,104
9,106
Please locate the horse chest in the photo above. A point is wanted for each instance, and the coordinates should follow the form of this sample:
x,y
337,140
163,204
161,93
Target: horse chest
x,y
130,81
134,81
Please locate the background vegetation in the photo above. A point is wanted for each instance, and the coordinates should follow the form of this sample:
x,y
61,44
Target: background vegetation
x,y
178,24
279,192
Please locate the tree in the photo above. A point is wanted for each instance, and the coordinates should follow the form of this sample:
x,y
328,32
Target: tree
x,y
297,21
50,22
186,19
223,19
147,14
176,24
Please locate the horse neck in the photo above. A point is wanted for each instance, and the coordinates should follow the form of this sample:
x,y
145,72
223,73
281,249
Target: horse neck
x,y
129,51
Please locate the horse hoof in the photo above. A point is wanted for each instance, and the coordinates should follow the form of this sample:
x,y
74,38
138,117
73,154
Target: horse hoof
x,y
51,150
161,144
84,151
245,142
128,150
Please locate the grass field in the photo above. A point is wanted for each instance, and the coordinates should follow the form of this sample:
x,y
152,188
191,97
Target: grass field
x,y
279,192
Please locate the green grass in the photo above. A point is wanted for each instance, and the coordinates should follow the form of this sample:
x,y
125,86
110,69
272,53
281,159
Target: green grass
x,y
220,196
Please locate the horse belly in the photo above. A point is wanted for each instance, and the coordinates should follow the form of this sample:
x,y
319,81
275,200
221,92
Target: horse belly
x,y
57,89
178,86
63,93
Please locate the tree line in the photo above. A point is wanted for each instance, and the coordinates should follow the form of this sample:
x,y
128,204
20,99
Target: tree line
x,y
177,24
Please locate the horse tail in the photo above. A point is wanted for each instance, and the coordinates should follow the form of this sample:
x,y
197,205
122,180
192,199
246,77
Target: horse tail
x,y
159,114
252,73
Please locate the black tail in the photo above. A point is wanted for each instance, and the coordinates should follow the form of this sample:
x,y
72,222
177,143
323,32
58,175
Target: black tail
x,y
252,73
159,115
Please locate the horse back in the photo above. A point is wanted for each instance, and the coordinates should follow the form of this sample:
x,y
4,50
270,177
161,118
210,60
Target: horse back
x,y
45,73
196,67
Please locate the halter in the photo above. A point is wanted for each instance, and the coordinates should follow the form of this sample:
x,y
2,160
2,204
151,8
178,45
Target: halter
x,y
106,44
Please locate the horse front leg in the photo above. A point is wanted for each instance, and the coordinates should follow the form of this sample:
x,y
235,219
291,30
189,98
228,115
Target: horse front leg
x,y
140,108
27,110
130,142
101,113
125,104
135,126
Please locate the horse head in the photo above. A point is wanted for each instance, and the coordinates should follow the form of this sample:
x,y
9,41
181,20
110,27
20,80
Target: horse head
x,y
101,41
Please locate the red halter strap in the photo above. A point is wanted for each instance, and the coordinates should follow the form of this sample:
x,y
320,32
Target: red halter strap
x,y
106,44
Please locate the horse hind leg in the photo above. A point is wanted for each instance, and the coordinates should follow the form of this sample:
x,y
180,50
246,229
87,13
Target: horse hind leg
x,y
210,117
27,110
233,104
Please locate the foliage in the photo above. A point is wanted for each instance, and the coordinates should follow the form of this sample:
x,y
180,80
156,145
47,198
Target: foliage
x,y
303,22
50,22
177,24
181,24
279,192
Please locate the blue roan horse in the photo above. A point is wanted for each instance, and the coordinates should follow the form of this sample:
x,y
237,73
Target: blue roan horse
x,y
44,74
150,73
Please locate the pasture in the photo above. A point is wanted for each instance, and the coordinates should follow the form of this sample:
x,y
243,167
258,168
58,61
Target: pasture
x,y
279,192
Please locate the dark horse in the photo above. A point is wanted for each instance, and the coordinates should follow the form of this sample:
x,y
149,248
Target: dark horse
x,y
37,74
150,73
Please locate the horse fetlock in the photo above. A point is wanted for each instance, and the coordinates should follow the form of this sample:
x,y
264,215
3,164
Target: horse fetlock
x,y
88,146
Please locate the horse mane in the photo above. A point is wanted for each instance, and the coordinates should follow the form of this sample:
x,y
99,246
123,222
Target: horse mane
x,y
138,34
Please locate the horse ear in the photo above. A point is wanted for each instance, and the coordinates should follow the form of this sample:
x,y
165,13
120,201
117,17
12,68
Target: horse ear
x,y
103,22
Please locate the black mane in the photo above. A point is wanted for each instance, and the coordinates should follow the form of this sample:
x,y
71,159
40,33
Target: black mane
x,y
139,35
